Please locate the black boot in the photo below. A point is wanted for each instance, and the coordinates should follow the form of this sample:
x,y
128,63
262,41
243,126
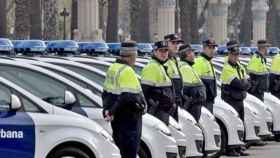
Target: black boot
x,y
232,153
242,152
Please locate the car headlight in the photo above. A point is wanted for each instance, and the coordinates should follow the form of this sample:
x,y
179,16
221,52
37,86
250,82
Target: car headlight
x,y
106,135
163,128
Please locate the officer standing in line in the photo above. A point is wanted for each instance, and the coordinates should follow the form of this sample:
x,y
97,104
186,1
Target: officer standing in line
x,y
234,86
123,101
205,69
194,92
258,71
157,86
274,82
173,69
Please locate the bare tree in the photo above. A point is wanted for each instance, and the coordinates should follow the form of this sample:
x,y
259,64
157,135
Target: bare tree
x,y
22,19
236,11
112,21
36,19
246,25
3,18
103,4
74,17
189,20
139,15
272,23
50,19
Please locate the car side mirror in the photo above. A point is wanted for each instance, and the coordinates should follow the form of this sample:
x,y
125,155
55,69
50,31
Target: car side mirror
x,y
15,102
69,98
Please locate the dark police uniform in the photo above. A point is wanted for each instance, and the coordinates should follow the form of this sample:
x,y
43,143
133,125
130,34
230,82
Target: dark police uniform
x,y
259,74
174,74
274,83
193,92
234,82
205,69
123,99
157,88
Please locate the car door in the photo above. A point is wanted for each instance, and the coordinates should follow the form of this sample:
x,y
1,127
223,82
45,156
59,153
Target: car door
x,y
17,129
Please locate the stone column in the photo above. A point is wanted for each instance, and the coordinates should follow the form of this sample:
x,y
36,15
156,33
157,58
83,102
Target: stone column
x,y
217,19
259,9
88,22
165,18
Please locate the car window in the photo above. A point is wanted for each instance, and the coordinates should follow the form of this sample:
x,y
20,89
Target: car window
x,y
76,80
38,84
41,85
86,73
5,101
5,96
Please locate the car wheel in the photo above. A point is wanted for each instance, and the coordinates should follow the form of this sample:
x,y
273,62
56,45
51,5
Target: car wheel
x,y
69,152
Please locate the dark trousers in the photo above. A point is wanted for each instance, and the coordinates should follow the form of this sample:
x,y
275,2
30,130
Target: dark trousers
x,y
238,106
259,95
209,105
127,136
195,111
163,116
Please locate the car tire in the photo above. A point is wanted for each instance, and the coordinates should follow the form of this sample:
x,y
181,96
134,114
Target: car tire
x,y
69,152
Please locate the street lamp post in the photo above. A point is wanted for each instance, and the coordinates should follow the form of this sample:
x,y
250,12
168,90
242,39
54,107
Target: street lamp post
x,y
65,14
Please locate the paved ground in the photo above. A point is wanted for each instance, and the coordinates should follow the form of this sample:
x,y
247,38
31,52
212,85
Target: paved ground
x,y
271,150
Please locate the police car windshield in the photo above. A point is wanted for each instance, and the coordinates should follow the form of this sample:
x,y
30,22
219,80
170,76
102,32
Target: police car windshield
x,y
114,45
4,42
99,45
33,43
141,46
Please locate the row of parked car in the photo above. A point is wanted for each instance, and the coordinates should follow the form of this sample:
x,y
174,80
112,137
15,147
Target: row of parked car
x,y
60,46
51,107
100,48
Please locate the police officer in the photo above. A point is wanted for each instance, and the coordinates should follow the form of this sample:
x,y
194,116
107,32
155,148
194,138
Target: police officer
x,y
172,69
157,86
193,92
274,83
234,86
258,71
205,69
123,101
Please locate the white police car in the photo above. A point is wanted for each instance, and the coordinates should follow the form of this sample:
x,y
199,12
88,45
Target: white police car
x,y
212,143
92,74
31,127
51,87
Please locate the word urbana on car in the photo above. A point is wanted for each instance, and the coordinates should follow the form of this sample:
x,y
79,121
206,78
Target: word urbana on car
x,y
11,134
